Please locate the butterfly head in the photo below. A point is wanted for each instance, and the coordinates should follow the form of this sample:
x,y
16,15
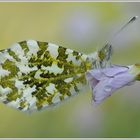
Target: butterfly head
x,y
101,58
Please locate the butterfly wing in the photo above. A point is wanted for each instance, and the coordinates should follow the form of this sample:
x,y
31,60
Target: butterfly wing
x,y
104,55
35,75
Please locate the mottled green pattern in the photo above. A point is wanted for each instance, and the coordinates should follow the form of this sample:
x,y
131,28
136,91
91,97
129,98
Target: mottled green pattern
x,y
45,79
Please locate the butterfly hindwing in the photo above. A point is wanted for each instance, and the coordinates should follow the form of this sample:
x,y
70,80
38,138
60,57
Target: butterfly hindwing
x,y
35,75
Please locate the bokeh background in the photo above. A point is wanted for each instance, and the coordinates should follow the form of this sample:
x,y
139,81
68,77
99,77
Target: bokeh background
x,y
84,27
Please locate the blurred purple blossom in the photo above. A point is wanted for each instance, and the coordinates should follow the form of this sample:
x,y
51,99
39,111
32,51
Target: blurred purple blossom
x,y
105,81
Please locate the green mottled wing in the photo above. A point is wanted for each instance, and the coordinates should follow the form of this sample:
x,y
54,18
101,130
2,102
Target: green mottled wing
x,y
35,75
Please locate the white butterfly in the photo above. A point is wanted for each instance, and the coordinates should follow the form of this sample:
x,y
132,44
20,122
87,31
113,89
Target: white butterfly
x,y
35,75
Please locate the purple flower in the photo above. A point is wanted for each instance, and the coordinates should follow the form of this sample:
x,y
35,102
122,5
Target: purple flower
x,y
105,81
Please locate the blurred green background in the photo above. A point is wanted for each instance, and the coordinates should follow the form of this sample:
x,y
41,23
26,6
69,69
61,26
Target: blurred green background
x,y
84,27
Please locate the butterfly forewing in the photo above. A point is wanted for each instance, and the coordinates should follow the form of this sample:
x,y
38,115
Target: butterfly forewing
x,y
35,75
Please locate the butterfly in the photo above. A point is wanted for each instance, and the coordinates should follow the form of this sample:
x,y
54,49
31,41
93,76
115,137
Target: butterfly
x,y
35,75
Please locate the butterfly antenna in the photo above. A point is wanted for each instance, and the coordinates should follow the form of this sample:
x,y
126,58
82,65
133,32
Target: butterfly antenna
x,y
122,28
103,55
105,52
